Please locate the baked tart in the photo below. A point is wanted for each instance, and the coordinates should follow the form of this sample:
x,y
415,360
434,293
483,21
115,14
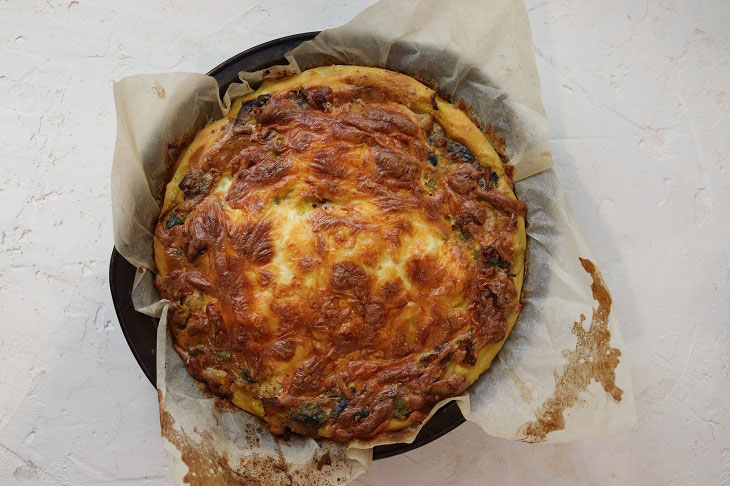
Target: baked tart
x,y
341,252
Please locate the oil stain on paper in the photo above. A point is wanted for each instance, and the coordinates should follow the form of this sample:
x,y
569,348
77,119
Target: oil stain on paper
x,y
208,466
592,360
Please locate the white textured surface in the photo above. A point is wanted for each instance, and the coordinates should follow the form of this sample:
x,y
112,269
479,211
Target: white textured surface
x,y
636,94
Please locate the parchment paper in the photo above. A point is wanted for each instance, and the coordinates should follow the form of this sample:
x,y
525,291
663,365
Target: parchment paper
x,y
561,375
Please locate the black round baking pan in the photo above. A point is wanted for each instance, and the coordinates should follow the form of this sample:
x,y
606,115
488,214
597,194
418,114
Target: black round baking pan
x,y
140,330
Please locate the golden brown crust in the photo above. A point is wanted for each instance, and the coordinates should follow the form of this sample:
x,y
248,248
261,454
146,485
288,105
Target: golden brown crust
x,y
341,252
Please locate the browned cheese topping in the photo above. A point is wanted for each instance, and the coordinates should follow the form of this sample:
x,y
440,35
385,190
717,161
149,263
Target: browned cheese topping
x,y
336,262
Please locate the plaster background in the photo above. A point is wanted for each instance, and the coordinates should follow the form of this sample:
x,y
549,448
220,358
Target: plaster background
x,y
636,96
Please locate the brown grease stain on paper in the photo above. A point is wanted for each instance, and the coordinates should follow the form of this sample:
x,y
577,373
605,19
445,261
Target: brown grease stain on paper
x,y
593,359
207,466
159,90
525,393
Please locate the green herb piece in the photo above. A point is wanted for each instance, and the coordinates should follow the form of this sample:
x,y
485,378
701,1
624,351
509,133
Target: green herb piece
x,y
433,159
361,415
300,99
174,220
339,407
196,350
400,410
492,258
465,235
222,354
431,184
310,414
278,144
244,375
493,180
460,153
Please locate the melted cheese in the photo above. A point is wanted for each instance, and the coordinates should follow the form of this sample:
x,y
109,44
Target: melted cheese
x,y
332,254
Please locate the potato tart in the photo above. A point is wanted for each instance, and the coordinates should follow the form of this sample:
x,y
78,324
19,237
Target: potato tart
x,y
340,253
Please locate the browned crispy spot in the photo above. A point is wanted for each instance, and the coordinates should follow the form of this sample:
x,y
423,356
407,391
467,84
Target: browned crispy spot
x,y
391,164
298,139
424,271
324,162
347,276
253,241
593,359
502,202
197,182
204,227
377,119
498,142
308,376
462,182
264,173
319,96
283,350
